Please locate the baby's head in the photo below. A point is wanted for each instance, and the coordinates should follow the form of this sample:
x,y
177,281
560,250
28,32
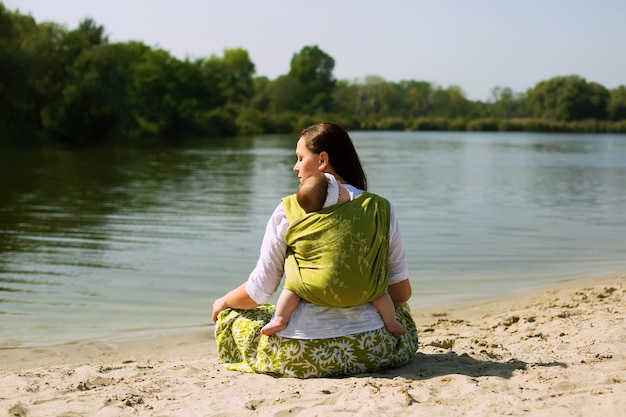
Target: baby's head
x,y
317,191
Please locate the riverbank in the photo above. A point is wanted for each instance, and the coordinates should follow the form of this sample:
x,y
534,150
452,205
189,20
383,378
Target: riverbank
x,y
559,350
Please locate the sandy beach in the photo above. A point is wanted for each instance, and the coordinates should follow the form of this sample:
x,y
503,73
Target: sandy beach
x,y
556,351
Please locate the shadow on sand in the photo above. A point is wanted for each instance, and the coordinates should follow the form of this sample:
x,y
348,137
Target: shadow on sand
x,y
426,366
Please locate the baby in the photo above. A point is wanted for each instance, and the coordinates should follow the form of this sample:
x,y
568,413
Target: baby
x,y
314,193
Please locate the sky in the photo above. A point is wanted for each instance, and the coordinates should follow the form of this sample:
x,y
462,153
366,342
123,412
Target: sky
x,y
473,44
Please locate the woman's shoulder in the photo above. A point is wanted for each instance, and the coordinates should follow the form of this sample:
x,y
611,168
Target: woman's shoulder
x,y
353,191
358,192
371,195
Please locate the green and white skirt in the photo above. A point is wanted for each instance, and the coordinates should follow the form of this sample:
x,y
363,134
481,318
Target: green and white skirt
x,y
242,347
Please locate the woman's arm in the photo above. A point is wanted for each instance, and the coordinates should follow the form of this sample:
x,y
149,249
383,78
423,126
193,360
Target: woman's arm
x,y
237,298
399,285
265,278
400,293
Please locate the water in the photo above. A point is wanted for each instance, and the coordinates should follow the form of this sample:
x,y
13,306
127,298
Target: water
x,y
120,241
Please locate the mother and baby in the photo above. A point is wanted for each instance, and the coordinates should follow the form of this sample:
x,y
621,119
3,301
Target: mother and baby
x,y
343,308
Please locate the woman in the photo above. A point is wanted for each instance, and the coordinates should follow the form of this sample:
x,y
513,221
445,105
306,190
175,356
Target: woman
x,y
319,340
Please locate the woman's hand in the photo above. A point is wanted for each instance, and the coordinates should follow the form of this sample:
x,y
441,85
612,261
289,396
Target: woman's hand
x,y
219,305
237,298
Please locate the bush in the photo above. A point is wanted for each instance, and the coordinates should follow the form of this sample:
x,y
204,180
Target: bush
x,y
390,123
250,122
428,123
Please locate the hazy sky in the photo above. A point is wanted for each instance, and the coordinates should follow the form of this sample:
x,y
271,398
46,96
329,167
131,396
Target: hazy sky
x,y
474,44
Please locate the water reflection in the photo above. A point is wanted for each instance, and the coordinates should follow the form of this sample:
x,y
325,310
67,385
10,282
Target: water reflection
x,y
85,226
503,211
103,240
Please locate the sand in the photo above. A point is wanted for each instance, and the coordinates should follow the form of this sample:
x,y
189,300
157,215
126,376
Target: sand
x,y
557,351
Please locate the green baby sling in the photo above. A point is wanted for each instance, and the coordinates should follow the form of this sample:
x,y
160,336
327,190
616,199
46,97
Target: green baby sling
x,y
338,256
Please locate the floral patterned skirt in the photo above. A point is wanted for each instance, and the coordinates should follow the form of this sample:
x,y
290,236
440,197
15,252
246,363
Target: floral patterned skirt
x,y
242,347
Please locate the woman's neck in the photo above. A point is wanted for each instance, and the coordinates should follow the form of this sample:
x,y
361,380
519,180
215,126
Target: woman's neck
x,y
329,170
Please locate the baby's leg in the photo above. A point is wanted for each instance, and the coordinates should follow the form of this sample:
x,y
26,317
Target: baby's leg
x,y
286,304
387,311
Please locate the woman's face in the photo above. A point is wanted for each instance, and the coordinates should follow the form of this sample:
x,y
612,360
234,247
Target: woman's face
x,y
307,162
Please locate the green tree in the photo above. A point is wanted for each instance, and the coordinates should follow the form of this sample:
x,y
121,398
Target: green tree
x,y
96,100
313,69
67,74
368,97
598,98
215,109
568,98
87,35
392,100
617,103
261,98
507,104
450,102
419,98
344,98
47,72
174,96
232,75
16,109
286,94
153,84
237,77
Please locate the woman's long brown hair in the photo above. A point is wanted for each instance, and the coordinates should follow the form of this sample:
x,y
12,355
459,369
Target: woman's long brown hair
x,y
335,141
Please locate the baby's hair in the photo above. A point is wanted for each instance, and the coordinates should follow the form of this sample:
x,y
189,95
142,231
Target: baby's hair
x,y
312,192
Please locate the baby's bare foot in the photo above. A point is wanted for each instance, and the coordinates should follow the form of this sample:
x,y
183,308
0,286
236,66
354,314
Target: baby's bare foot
x,y
276,324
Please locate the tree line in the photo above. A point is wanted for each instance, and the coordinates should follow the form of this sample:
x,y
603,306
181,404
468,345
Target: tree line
x,y
76,84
